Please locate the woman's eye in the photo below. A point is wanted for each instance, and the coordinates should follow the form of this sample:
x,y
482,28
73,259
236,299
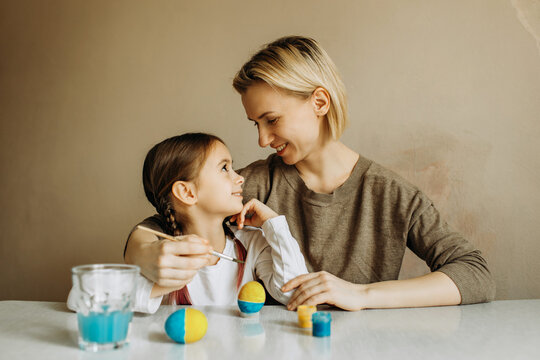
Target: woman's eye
x,y
272,121
255,124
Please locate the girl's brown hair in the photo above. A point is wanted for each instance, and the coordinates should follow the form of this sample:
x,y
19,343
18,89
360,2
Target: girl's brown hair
x,y
179,158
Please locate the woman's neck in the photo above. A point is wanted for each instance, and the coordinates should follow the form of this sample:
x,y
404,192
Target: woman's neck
x,y
328,168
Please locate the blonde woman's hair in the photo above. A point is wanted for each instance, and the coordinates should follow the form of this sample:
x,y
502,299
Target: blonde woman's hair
x,y
298,65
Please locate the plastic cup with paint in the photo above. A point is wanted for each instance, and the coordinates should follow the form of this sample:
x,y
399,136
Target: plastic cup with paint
x,y
104,296
321,323
304,315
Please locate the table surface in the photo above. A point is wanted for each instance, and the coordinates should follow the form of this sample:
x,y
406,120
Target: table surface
x,y
497,330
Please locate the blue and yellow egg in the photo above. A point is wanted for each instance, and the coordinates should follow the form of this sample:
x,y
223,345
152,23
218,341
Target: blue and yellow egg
x,y
186,325
251,298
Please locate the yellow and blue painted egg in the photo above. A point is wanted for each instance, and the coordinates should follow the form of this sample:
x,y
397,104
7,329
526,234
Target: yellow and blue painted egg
x,y
251,298
186,325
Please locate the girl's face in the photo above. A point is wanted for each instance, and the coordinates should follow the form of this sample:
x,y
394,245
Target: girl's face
x,y
287,123
219,187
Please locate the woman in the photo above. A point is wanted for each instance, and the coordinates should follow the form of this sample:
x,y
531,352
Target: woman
x,y
352,218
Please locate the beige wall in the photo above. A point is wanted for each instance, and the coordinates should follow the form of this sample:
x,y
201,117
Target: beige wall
x,y
446,93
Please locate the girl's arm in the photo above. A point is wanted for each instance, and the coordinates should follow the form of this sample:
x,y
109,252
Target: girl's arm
x,y
280,262
281,259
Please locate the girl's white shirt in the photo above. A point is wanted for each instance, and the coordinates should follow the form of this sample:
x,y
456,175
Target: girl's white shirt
x,y
273,256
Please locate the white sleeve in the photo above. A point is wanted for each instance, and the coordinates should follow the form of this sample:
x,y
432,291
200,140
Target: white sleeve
x,y
143,302
280,262
71,301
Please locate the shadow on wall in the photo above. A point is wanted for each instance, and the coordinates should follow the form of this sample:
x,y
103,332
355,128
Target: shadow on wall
x,y
528,13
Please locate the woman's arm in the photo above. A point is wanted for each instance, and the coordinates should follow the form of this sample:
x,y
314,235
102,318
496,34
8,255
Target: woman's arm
x,y
459,274
448,252
159,291
433,289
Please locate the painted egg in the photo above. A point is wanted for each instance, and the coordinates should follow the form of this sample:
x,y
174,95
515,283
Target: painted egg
x,y
186,325
251,298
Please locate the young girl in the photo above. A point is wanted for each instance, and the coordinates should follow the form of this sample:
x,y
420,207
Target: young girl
x,y
190,181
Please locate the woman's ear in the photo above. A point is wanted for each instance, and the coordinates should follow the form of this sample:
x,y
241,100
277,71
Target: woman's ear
x,y
185,192
321,101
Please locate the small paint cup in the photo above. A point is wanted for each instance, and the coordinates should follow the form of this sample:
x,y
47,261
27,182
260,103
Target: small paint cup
x,y
304,315
321,323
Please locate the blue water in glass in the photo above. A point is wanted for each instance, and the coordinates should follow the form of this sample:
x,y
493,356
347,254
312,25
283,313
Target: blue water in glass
x,y
104,328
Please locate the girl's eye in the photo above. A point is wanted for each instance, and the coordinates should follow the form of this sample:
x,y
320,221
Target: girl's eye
x,y
225,168
255,124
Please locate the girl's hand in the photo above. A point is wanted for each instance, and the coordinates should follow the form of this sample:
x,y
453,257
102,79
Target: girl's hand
x,y
323,288
254,213
168,263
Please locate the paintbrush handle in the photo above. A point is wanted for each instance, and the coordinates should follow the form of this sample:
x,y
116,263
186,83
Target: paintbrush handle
x,y
157,233
167,236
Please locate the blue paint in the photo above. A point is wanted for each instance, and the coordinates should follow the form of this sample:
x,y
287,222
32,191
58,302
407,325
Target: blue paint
x,y
248,307
103,328
175,326
321,323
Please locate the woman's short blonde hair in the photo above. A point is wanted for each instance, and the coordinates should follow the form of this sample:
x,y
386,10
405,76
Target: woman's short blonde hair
x,y
298,65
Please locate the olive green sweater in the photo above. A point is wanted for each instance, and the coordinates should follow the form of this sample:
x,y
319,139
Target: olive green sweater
x,y
360,231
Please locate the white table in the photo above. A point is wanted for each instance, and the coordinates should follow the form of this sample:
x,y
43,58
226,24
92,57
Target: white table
x,y
507,330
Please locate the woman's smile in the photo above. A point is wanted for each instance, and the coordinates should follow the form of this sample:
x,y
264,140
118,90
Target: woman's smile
x,y
281,148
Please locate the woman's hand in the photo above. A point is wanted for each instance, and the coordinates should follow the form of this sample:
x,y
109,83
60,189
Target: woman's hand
x,y
324,288
168,263
254,213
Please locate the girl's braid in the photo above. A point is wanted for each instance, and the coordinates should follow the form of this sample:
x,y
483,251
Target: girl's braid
x,y
167,211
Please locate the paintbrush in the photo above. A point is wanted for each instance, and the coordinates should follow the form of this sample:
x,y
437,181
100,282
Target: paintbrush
x,y
166,236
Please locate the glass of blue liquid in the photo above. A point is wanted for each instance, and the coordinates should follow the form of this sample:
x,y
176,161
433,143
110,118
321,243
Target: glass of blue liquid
x,y
105,294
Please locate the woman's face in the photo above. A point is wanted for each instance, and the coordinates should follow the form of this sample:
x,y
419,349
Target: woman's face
x,y
286,123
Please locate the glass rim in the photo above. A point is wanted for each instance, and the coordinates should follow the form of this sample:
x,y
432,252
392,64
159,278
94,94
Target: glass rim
x,y
124,268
